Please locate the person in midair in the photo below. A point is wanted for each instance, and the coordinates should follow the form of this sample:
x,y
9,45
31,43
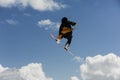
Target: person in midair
x,y
65,31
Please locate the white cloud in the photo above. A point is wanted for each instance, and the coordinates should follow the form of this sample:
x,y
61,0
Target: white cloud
x,y
27,14
48,24
40,5
10,74
2,68
45,22
78,59
74,78
101,68
11,21
7,3
32,71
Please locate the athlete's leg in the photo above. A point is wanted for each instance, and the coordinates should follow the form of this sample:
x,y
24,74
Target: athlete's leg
x,y
69,39
59,39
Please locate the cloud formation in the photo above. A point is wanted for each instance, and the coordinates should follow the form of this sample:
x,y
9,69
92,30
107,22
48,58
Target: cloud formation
x,y
40,5
74,78
78,59
2,68
101,68
12,22
47,24
7,3
32,71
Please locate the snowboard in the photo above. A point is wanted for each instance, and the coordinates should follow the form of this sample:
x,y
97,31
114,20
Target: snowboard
x,y
54,38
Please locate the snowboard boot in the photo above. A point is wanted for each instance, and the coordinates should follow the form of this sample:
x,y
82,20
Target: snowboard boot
x,y
66,47
58,41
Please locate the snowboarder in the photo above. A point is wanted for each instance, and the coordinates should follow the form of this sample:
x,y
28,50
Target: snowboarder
x,y
65,31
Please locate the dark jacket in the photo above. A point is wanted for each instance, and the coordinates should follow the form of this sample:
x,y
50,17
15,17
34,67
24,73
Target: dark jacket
x,y
66,24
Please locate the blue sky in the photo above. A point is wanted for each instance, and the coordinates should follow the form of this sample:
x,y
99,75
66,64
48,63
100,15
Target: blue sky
x,y
25,39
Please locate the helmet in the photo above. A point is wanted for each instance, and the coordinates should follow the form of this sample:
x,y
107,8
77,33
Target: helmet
x,y
64,20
